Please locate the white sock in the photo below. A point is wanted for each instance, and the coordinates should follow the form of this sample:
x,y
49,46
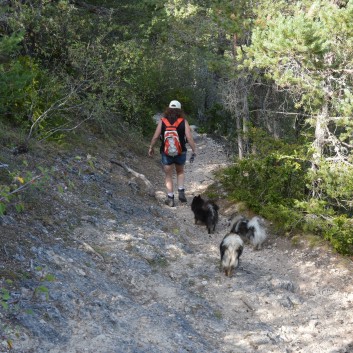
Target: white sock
x,y
170,194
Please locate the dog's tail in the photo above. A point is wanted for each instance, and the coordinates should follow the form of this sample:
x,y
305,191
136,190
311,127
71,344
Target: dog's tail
x,y
215,206
258,231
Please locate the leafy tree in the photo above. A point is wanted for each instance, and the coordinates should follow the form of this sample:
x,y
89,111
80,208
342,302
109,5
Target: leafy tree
x,y
306,50
118,61
16,78
309,53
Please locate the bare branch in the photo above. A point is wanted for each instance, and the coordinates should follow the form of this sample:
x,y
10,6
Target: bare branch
x,y
52,132
55,106
347,144
21,188
341,152
280,112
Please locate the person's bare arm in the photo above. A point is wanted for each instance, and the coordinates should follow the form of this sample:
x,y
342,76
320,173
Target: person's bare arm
x,y
155,138
189,137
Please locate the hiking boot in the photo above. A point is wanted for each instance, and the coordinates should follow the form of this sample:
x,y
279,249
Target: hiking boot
x,y
182,197
170,201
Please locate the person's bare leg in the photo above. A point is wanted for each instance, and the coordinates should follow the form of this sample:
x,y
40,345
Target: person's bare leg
x,y
180,181
180,175
168,170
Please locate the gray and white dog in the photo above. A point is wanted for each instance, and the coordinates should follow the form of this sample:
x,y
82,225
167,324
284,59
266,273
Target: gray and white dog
x,y
231,248
252,231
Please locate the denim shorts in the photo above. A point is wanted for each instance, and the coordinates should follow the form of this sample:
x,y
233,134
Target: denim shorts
x,y
181,159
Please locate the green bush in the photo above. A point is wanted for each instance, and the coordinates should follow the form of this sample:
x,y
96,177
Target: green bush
x,y
278,182
333,183
320,219
272,176
340,234
27,90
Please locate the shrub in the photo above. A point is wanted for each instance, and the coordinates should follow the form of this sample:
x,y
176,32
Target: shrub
x,y
279,183
272,176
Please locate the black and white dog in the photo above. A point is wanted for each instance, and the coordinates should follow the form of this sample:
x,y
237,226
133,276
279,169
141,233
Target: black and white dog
x,y
252,231
206,212
231,248
239,225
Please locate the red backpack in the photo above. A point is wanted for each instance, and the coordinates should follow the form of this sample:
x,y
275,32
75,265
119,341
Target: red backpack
x,y
172,146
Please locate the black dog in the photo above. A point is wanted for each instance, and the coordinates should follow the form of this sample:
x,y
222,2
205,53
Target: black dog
x,y
206,212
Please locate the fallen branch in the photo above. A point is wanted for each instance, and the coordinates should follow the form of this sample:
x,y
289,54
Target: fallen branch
x,y
247,304
90,249
135,174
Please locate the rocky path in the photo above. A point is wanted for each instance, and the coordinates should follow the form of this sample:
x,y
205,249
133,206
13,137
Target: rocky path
x,y
281,299
140,277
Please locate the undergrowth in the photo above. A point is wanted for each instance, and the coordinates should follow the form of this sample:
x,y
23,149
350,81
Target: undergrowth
x,y
278,183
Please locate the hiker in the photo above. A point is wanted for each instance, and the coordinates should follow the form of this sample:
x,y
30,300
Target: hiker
x,y
177,158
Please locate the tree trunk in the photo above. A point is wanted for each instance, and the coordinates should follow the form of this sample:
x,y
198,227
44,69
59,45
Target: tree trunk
x,y
318,145
239,137
320,134
246,119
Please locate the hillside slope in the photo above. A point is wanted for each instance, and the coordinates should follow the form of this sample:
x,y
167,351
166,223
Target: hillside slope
x,y
100,264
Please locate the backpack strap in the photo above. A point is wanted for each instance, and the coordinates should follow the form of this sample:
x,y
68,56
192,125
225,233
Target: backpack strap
x,y
168,124
178,122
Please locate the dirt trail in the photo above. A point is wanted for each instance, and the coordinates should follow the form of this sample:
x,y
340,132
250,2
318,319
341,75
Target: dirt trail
x,y
141,277
281,299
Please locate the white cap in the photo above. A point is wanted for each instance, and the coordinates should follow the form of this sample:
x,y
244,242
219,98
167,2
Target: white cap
x,y
175,104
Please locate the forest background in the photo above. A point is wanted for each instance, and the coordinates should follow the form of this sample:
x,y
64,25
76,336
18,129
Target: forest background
x,y
274,79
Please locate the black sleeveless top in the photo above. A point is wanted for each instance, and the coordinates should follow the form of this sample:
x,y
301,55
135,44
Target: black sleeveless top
x,y
181,134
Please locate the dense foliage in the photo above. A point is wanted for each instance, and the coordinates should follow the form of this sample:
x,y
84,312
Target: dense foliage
x,y
307,51
274,78
278,183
